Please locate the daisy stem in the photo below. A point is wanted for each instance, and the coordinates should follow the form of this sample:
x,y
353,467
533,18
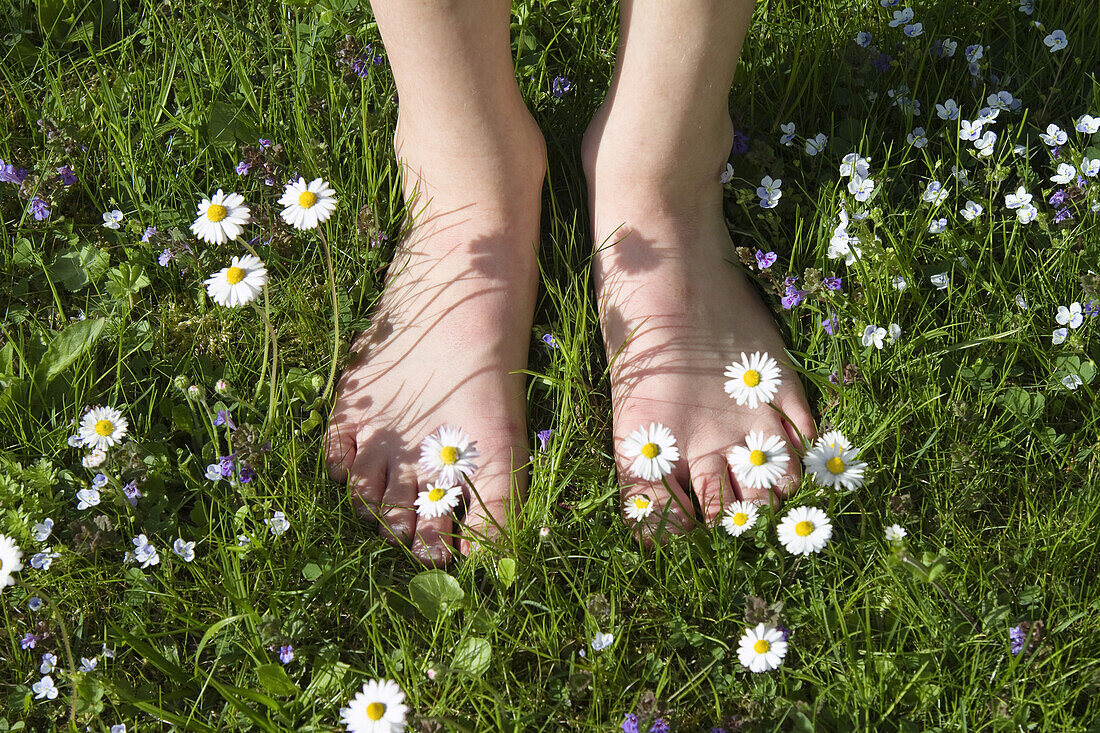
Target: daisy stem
x,y
335,315
31,590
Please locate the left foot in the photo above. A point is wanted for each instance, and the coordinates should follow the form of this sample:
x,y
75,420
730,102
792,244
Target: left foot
x,y
675,313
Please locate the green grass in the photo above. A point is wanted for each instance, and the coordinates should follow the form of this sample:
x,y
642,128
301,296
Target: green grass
x,y
974,445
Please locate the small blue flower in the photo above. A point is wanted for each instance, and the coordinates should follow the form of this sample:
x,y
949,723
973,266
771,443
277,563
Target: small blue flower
x,y
132,492
99,481
1062,215
740,143
242,168
247,474
34,603
29,640
1058,197
286,653
150,232
764,260
560,86
550,341
225,418
68,178
165,257
1017,637
833,283
39,208
544,438
10,174
265,143
830,324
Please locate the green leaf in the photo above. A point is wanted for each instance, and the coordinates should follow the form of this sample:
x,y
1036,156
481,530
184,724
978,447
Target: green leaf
x,y
75,269
473,655
312,571
506,571
275,680
89,695
68,346
24,253
1027,406
435,593
126,280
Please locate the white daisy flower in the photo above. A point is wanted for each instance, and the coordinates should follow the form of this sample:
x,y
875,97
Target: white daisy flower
x,y
11,561
834,466
1070,315
805,530
834,437
894,533
102,427
378,708
221,218
740,517
1087,124
239,283
652,451
307,205
761,648
761,462
450,453
754,381
637,508
437,500
1054,136
112,218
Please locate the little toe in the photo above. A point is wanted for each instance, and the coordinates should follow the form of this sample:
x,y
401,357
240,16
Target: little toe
x,y
339,450
397,516
433,543
366,477
660,512
712,483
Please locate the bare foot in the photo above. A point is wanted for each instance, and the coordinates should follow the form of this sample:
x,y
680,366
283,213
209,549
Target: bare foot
x,y
675,313
449,335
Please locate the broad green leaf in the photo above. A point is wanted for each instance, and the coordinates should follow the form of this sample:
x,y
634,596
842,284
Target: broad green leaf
x,y
312,571
275,680
126,280
68,346
89,695
76,268
435,593
506,571
473,655
1027,406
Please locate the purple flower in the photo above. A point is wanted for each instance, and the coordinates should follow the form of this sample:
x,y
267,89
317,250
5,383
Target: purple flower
x,y
1056,151
150,232
378,240
165,257
29,640
10,174
764,260
882,62
1017,637
560,86
224,417
68,178
785,631
265,143
936,49
225,465
834,377
630,724
793,298
1092,308
830,324
269,181
247,474
833,283
286,653
550,341
242,168
659,726
39,209
1057,198
740,143
1062,215
133,493
544,438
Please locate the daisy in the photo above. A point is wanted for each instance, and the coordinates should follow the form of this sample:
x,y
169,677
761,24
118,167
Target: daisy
x,y
894,533
221,218
740,517
437,501
805,530
638,507
1070,316
835,466
450,453
652,451
761,462
761,648
11,561
307,205
378,708
754,381
239,283
102,427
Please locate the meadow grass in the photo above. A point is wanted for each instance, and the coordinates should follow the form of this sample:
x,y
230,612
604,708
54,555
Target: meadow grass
x,y
975,446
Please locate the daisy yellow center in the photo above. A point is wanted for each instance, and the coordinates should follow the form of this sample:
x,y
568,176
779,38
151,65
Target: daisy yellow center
x,y
751,377
436,494
835,465
307,199
758,458
761,647
234,275
104,427
216,212
641,503
804,528
449,455
651,450
740,518
376,710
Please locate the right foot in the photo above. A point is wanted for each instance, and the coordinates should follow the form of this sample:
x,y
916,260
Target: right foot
x,y
449,337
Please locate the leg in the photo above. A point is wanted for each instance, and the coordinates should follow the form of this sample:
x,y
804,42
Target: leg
x,y
453,325
668,297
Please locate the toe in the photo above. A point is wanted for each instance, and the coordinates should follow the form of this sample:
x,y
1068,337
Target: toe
x,y
491,497
339,448
366,477
712,483
672,510
397,516
433,544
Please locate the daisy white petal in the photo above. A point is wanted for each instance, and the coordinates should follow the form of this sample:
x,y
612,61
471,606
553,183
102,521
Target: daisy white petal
x,y
652,451
11,561
220,218
740,517
378,708
437,500
753,381
761,462
834,466
450,453
804,530
102,428
307,205
761,648
238,284
638,507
